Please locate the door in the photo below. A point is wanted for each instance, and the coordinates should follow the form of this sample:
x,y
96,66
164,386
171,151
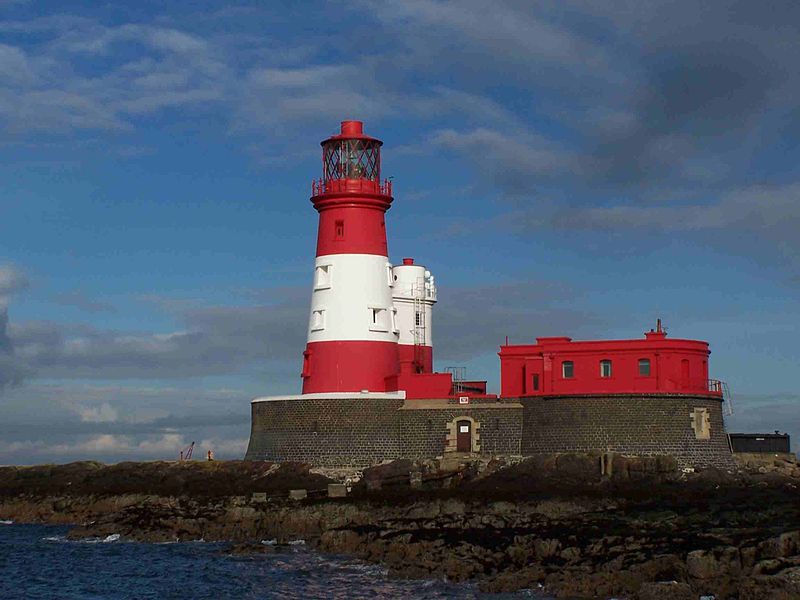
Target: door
x,y
464,436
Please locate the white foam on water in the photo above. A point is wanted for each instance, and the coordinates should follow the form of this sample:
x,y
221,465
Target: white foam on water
x,y
271,542
54,538
96,540
6,522
297,543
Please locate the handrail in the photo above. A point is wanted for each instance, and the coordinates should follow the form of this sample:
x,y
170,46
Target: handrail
x,y
333,186
716,386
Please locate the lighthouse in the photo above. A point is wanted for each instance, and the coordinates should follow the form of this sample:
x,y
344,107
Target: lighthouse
x,y
352,332
370,392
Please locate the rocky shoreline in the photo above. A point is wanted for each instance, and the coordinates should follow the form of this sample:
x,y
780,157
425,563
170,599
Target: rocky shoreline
x,y
580,525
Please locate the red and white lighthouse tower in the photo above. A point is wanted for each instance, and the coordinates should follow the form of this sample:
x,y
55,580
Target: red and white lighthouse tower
x,y
352,333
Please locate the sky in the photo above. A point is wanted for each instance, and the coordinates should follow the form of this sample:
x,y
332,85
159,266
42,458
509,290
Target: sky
x,y
563,168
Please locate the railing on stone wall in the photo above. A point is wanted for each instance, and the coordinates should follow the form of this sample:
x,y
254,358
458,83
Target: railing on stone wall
x,y
715,386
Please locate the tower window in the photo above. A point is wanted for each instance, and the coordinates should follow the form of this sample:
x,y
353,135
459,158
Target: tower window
x,y
535,382
644,367
390,278
605,368
567,369
322,277
418,318
318,320
379,318
339,230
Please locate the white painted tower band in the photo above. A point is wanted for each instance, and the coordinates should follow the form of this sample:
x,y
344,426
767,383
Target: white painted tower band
x,y
352,299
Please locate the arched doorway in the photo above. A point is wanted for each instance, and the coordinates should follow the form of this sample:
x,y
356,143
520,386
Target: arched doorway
x,y
464,436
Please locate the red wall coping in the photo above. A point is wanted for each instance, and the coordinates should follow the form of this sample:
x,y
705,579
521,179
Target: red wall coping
x,y
601,345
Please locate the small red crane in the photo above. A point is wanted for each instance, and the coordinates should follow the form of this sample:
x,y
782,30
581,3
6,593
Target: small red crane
x,y
187,454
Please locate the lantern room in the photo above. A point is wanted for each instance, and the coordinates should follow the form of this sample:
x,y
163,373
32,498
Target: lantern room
x,y
351,162
351,154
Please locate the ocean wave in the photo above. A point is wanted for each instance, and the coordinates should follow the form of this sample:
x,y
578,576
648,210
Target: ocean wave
x,y
297,543
6,522
271,542
114,537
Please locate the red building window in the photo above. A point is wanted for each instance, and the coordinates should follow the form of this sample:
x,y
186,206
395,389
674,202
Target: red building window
x,y
339,230
567,369
644,367
605,368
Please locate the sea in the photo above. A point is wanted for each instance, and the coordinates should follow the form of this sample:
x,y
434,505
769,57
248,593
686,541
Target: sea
x,y
38,562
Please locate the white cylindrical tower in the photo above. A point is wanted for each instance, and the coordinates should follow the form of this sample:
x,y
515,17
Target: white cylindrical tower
x,y
414,295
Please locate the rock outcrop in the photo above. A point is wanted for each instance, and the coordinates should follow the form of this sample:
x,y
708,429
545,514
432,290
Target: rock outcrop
x,y
641,529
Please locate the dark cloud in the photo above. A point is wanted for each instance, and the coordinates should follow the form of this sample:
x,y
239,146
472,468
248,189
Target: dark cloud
x,y
80,300
471,321
12,371
707,90
112,421
185,423
765,414
12,280
216,340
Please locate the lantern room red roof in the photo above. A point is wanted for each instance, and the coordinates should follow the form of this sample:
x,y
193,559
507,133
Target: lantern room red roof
x,y
351,130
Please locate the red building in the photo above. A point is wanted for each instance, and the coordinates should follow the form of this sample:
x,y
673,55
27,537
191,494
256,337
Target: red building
x,y
560,366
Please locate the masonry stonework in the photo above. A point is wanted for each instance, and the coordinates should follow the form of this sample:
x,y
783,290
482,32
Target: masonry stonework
x,y
641,424
364,431
426,431
325,432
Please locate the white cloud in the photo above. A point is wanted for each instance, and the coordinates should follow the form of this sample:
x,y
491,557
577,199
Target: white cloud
x,y
12,280
225,448
114,447
164,445
104,413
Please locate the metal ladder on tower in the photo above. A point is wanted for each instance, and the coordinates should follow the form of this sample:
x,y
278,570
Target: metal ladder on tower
x,y
420,325
728,400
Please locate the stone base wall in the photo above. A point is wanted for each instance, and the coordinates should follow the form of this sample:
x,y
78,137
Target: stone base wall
x,y
428,426
360,432
690,428
325,432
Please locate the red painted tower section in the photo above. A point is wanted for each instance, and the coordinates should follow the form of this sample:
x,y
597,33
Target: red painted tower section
x,y
352,338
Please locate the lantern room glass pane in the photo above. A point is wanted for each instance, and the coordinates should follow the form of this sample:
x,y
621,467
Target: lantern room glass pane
x,y
351,159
